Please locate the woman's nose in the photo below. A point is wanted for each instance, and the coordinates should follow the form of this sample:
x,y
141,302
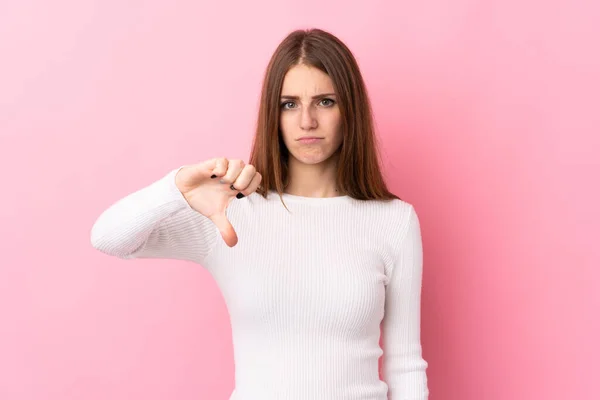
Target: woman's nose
x,y
307,119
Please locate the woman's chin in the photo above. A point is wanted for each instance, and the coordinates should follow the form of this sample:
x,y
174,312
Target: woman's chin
x,y
311,159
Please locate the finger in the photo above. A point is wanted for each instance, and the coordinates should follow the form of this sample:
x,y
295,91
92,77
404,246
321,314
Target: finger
x,y
220,168
203,169
234,169
227,232
251,188
245,177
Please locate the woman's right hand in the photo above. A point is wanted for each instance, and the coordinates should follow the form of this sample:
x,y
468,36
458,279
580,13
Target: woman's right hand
x,y
210,186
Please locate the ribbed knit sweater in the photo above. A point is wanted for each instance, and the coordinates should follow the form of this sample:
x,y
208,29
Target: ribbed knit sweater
x,y
309,291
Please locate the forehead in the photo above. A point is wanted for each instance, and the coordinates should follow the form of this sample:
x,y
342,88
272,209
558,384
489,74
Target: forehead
x,y
302,80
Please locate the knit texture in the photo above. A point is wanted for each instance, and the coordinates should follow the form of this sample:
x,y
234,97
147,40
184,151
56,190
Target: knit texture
x,y
309,291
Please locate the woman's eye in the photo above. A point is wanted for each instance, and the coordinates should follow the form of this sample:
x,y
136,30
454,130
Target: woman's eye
x,y
328,103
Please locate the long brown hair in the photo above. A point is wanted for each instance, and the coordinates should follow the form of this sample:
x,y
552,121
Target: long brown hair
x,y
358,171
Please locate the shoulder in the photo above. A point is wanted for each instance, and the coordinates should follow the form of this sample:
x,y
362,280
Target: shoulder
x,y
400,233
398,224
396,213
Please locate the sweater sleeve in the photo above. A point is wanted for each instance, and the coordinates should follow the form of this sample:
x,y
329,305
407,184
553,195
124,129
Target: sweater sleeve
x,y
154,222
403,365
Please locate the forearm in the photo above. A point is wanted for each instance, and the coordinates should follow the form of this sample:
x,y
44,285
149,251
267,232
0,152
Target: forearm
x,y
155,221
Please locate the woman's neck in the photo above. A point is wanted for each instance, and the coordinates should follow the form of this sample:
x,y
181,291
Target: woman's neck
x,y
312,180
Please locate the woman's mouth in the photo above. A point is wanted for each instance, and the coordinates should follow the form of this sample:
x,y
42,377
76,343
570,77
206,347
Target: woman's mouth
x,y
309,139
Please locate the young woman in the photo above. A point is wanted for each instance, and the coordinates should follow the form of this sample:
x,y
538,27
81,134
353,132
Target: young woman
x,y
314,256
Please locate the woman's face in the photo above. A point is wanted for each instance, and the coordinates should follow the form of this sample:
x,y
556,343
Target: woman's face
x,y
310,118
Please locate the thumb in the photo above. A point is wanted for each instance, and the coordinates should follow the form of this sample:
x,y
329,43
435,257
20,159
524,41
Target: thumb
x,y
226,229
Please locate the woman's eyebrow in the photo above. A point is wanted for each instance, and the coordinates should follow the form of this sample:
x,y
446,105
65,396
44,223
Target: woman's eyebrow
x,y
314,97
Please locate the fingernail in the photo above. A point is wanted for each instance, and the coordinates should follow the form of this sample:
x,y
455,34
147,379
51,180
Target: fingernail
x,y
232,187
221,181
239,195
213,177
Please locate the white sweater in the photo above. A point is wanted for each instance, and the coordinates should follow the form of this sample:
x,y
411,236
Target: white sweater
x,y
307,290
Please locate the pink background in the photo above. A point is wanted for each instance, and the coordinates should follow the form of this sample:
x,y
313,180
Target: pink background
x,y
488,112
